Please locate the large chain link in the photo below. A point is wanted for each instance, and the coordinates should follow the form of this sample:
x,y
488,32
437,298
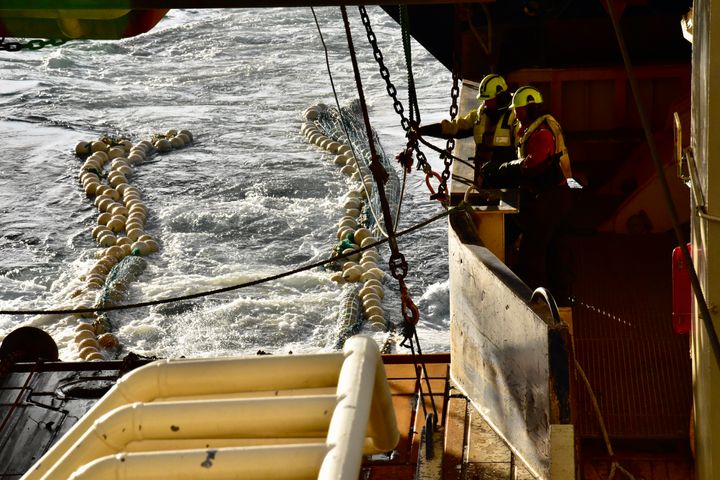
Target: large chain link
x,y
36,44
398,264
384,72
422,163
450,146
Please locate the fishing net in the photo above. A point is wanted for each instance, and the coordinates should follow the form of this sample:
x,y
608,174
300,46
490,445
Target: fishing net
x,y
350,317
119,279
347,126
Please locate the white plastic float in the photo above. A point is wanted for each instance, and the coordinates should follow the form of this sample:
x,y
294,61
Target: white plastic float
x,y
120,230
362,267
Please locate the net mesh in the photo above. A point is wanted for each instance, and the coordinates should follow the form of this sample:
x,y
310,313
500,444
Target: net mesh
x,y
347,127
119,279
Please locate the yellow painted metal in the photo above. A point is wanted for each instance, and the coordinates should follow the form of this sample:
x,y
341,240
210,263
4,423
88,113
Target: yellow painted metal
x,y
286,462
199,443
71,22
562,452
59,14
299,392
275,417
362,385
490,225
706,232
186,378
119,422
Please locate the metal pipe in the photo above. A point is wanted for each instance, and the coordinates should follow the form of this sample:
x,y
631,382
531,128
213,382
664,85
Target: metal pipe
x,y
287,462
184,378
360,407
361,385
166,4
275,417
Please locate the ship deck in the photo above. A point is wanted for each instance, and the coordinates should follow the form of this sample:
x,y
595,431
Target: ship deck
x,y
466,447
39,402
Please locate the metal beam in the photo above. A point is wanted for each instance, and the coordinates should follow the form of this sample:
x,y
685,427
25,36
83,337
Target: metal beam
x,y
165,4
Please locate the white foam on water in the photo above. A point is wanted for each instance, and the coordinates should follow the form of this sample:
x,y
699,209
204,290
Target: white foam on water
x,y
249,199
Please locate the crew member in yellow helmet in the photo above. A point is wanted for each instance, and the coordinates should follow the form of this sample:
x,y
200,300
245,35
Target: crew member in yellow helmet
x,y
542,172
490,125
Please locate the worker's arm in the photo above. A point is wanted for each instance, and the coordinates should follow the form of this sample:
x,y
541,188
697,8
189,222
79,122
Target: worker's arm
x,y
540,153
540,157
458,128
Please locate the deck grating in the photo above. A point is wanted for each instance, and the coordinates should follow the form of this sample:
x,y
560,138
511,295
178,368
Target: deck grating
x,y
638,367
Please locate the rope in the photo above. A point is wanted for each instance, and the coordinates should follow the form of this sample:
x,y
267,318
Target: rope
x,y
615,465
414,111
400,200
343,126
231,287
705,314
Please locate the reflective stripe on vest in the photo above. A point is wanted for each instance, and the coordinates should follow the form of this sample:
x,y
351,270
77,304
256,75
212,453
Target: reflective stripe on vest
x,y
503,130
560,147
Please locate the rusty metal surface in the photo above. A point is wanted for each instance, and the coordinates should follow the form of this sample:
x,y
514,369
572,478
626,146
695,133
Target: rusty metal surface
x,y
42,408
500,351
638,367
400,369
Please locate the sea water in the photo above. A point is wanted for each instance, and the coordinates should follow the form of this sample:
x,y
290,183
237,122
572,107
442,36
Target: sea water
x,y
249,199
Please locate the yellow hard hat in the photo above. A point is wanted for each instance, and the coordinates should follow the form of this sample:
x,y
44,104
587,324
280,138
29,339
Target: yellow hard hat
x,y
490,86
526,95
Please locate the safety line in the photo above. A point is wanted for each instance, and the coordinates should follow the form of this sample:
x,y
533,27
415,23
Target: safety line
x,y
231,287
615,465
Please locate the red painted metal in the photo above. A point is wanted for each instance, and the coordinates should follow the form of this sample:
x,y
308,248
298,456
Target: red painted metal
x,y
681,292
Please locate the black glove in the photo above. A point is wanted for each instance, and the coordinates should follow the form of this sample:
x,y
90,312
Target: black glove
x,y
488,169
432,130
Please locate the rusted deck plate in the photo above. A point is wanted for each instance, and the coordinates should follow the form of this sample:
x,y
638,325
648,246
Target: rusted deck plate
x,y
470,449
403,382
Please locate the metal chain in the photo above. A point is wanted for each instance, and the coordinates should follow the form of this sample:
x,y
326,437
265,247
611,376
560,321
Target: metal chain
x,y
398,264
36,44
422,163
447,156
384,72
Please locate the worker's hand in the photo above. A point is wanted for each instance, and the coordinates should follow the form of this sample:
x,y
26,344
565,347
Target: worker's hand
x,y
432,130
488,169
512,165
